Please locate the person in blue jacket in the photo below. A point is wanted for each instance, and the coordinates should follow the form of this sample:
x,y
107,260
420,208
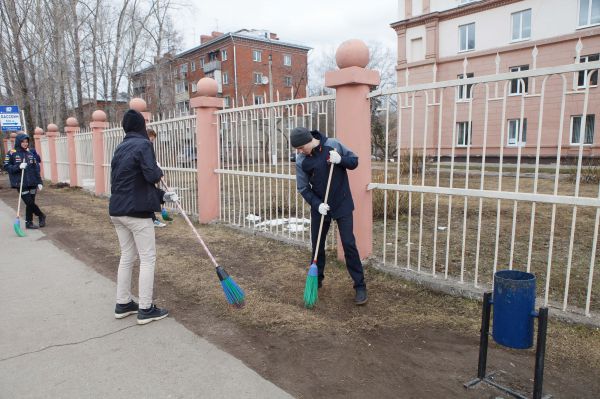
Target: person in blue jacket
x,y
22,158
134,199
316,154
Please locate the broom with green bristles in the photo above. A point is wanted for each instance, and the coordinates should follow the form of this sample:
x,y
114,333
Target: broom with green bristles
x,y
17,224
311,288
234,294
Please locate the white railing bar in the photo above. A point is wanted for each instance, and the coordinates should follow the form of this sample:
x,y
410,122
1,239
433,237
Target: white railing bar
x,y
256,174
489,78
279,103
491,194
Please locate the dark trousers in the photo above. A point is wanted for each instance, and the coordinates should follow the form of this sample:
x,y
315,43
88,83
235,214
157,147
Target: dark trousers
x,y
345,227
30,206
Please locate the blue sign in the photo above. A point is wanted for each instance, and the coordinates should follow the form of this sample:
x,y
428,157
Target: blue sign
x,y
10,118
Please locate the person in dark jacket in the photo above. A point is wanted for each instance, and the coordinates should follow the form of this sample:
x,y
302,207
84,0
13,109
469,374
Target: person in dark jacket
x,y
316,154
22,158
134,198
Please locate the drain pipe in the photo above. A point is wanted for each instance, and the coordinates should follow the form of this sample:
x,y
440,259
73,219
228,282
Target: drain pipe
x,y
235,80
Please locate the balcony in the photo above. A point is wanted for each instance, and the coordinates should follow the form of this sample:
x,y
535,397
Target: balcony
x,y
211,66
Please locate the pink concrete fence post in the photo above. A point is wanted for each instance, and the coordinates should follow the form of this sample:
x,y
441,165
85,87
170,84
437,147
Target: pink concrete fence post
x,y
71,129
352,83
52,133
37,136
98,125
207,147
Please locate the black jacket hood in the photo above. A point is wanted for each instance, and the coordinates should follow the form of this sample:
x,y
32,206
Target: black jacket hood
x,y
19,139
133,122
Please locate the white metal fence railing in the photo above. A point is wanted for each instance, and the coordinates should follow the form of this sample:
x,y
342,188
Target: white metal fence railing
x,y
85,159
257,169
493,172
62,159
113,136
45,155
175,148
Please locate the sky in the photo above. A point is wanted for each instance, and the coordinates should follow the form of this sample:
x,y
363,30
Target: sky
x,y
320,24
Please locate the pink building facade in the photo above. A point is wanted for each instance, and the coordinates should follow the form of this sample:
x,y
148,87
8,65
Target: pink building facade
x,y
445,40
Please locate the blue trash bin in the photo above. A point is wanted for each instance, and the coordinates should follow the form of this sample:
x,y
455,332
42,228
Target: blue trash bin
x,y
514,306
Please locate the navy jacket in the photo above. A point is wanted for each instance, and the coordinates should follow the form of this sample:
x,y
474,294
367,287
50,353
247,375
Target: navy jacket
x,y
312,172
134,172
12,160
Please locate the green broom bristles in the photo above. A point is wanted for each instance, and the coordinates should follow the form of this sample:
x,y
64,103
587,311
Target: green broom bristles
x,y
17,227
311,288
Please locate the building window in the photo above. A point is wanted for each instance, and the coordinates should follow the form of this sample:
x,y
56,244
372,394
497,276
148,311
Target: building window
x,y
256,55
519,86
466,37
202,62
588,75
287,81
175,71
464,136
259,100
225,78
194,87
226,102
589,12
516,137
464,92
193,66
257,78
287,60
588,137
223,55
521,25
180,87
184,68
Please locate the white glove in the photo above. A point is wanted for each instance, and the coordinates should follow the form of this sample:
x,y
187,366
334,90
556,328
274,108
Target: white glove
x,y
23,165
157,164
334,157
170,196
323,209
40,187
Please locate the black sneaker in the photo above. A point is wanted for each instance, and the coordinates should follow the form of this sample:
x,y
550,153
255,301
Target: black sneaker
x,y
145,316
31,225
43,221
361,296
125,310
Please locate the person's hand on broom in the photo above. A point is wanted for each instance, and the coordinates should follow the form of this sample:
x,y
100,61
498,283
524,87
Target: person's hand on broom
x,y
334,157
323,209
23,165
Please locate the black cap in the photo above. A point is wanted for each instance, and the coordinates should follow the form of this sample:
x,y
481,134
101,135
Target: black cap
x,y
300,136
133,121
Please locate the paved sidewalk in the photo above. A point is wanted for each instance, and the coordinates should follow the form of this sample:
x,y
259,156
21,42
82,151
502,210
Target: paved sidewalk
x,y
59,338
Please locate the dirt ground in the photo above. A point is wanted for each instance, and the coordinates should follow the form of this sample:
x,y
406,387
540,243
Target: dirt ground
x,y
407,342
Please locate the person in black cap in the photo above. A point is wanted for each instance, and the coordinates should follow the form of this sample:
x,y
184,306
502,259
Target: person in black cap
x,y
316,153
134,199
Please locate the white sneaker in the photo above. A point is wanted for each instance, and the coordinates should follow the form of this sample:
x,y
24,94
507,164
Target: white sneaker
x,y
157,223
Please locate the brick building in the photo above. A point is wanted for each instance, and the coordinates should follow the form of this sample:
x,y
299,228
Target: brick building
x,y
442,40
248,65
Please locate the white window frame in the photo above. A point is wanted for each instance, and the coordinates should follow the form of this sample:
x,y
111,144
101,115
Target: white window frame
x,y
287,81
223,55
194,87
202,62
287,60
593,121
257,78
515,88
585,74
519,138
227,101
467,29
588,21
225,78
193,66
520,15
459,128
463,92
257,55
259,100
184,68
